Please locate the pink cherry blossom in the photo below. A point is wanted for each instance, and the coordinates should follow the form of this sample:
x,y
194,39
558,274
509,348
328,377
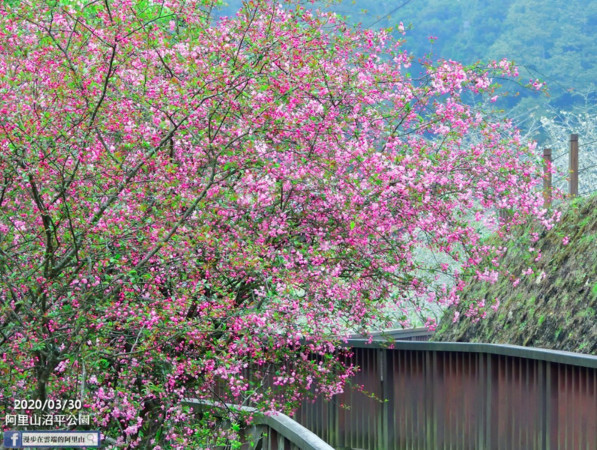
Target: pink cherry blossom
x,y
205,208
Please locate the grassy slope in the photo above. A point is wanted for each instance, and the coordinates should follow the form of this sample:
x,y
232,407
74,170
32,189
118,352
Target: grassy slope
x,y
558,312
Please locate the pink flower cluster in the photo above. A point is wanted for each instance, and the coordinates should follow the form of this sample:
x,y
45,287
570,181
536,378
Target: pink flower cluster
x,y
204,208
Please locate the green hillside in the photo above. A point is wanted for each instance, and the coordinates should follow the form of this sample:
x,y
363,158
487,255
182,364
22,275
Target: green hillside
x,y
557,310
551,41
548,40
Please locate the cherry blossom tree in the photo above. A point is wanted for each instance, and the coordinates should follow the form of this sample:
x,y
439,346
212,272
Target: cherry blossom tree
x,y
185,201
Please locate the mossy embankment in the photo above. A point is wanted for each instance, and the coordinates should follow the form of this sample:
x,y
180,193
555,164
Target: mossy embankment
x,y
557,310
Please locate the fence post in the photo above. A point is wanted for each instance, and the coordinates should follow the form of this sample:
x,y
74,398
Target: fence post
x,y
547,176
573,165
385,425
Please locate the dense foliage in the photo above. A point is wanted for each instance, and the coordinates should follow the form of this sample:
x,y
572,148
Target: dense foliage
x,y
184,199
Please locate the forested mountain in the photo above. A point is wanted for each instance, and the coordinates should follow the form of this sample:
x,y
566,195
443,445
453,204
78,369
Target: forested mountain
x,y
553,40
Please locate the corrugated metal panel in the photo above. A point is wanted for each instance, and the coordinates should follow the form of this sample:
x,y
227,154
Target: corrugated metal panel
x,y
462,400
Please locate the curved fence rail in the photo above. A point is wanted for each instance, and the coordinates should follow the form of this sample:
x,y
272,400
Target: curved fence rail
x,y
461,396
271,432
412,334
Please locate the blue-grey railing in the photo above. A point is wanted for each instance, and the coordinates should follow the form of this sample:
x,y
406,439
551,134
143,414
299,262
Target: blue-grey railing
x,y
272,431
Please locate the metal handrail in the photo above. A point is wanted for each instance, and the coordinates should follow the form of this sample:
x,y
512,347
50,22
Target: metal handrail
x,y
398,334
281,423
542,354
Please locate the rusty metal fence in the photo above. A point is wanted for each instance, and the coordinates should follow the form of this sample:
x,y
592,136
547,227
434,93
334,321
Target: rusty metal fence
x,y
461,396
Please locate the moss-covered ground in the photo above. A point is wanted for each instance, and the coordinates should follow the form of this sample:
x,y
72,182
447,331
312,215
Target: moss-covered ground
x,y
554,308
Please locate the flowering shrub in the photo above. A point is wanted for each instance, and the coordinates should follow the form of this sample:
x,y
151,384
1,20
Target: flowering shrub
x,y
184,201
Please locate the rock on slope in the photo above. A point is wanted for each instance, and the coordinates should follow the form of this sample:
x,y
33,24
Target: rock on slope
x,y
557,310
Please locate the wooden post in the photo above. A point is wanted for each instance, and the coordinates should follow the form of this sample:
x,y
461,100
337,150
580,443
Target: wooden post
x,y
547,176
573,165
